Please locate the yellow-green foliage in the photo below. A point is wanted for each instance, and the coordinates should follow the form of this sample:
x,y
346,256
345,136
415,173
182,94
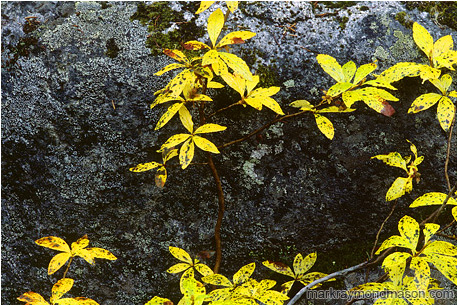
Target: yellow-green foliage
x,y
79,248
61,287
402,185
441,254
435,198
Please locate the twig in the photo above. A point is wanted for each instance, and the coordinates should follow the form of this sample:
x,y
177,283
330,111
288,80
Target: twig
x,y
435,214
323,279
448,154
381,227
68,266
224,108
443,229
265,126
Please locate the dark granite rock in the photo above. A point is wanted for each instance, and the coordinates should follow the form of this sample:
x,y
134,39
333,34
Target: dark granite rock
x,y
66,151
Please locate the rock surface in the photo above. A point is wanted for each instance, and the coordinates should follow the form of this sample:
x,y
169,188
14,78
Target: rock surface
x,y
75,117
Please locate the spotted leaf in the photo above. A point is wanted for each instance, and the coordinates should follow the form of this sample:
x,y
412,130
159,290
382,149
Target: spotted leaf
x,y
159,300
393,159
144,167
237,37
325,125
424,102
237,64
205,144
215,25
210,128
279,267
57,262
445,113
242,275
186,153
331,67
363,71
32,298
180,254
423,39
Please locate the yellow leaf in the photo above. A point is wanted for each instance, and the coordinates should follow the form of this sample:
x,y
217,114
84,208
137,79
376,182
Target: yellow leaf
x,y
445,113
395,265
169,154
254,102
220,295
76,301
215,24
335,109
186,118
313,276
169,67
443,83
174,140
85,254
397,189
399,71
410,230
325,126
237,37
393,159
423,39
180,254
250,85
452,94
165,98
237,64
178,83
179,267
210,128
424,102
176,55
158,300
171,111
363,71
57,262
32,298
440,247
279,267
445,264
160,177
101,253
195,45
348,70
186,153
217,280
80,243
203,269
302,104
286,287
210,57
54,243
376,92
442,45
242,275
338,88
454,212
428,73
61,287
380,83
413,148
272,104
205,144
432,198
144,167
350,97
429,230
236,82
194,292
264,92
220,67
232,5
302,265
331,67
446,59
213,84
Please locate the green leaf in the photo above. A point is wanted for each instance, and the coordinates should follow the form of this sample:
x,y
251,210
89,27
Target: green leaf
x,y
445,113
215,25
186,153
242,275
205,144
181,255
210,128
279,267
393,159
331,67
237,37
423,39
363,71
237,64
325,125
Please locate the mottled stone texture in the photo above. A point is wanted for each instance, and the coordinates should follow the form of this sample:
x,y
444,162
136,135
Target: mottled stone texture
x,y
66,151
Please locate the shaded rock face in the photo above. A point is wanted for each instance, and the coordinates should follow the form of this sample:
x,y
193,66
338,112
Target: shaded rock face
x,y
75,117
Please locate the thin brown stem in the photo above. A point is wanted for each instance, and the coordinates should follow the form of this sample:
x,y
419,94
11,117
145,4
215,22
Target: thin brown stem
x,y
224,108
68,266
265,126
448,154
432,218
443,229
381,227
219,221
